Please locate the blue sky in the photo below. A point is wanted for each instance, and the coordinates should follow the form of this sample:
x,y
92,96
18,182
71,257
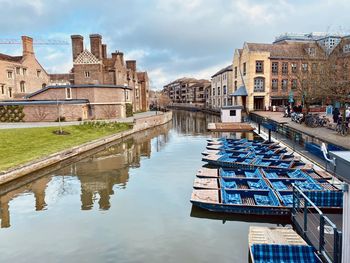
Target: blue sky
x,y
168,38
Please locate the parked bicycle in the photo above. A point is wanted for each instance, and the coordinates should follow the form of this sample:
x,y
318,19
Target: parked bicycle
x,y
314,120
297,117
342,128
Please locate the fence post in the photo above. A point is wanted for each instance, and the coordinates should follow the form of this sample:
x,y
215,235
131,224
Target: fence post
x,y
305,216
337,246
321,244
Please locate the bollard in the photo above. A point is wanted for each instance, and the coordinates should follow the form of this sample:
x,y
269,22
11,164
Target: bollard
x,y
258,128
269,135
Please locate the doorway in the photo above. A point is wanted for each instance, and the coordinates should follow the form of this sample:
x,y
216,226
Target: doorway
x,y
258,103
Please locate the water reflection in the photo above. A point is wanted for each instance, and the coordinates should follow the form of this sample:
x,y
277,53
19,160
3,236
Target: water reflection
x,y
99,175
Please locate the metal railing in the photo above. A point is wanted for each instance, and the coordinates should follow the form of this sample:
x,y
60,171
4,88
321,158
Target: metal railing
x,y
315,227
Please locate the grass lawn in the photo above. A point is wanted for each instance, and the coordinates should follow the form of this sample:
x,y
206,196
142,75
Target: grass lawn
x,y
18,146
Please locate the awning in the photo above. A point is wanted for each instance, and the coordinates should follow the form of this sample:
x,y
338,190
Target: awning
x,y
242,91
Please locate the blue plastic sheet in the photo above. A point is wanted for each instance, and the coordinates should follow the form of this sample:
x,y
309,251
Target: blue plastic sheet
x,y
224,173
256,185
228,184
297,174
279,185
231,198
262,200
287,200
307,185
271,175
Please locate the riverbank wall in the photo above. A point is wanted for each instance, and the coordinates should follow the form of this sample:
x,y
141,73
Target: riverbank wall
x,y
139,124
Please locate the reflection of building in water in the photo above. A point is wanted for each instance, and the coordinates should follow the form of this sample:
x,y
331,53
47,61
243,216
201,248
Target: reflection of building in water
x,y
37,188
192,122
98,174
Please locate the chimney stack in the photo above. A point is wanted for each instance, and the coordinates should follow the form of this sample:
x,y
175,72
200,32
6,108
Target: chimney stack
x,y
104,51
118,56
96,45
77,45
131,64
27,43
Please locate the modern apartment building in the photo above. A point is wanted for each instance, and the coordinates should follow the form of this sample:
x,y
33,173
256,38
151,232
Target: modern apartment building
x,y
221,88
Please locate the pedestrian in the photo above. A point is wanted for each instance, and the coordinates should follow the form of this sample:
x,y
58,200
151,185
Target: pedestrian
x,y
288,110
336,115
347,114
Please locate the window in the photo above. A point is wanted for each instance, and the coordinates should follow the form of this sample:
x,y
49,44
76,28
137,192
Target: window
x,y
259,84
10,92
274,84
9,74
38,73
213,91
311,51
24,70
219,91
259,66
314,67
224,90
235,85
87,74
346,48
2,89
18,70
126,95
68,93
22,86
294,83
294,67
235,72
232,112
275,67
284,84
244,69
225,101
218,102
285,68
304,67
304,83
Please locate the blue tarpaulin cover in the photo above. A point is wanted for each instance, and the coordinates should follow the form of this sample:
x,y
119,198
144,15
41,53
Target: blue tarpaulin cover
x,y
271,175
231,198
256,185
256,174
297,174
227,173
262,200
307,185
287,200
228,184
279,185
273,253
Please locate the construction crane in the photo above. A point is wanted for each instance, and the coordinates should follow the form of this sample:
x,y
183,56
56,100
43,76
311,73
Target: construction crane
x,y
35,42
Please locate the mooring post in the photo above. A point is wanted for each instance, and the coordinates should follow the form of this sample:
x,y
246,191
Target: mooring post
x,y
269,135
258,128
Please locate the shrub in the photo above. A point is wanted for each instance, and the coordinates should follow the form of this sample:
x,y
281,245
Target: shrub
x,y
11,113
128,108
61,118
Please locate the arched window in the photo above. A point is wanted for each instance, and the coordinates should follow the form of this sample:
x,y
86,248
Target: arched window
x,y
259,84
22,86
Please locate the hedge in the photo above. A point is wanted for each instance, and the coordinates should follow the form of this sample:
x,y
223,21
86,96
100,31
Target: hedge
x,y
11,113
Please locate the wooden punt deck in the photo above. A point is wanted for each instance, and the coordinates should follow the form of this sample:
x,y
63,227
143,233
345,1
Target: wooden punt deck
x,y
228,127
274,235
206,183
208,196
207,172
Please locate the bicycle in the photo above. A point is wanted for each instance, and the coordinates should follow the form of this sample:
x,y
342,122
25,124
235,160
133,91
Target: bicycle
x,y
342,128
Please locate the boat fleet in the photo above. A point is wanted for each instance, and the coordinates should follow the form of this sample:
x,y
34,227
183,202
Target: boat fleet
x,y
257,177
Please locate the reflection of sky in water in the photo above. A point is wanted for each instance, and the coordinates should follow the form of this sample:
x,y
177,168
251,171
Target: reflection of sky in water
x,y
102,210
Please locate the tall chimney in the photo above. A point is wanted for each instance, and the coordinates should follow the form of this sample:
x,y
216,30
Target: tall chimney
x,y
77,45
131,64
27,43
118,56
96,45
104,51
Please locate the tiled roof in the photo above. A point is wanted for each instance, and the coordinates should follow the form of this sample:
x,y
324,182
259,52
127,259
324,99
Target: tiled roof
x,y
10,58
86,57
228,68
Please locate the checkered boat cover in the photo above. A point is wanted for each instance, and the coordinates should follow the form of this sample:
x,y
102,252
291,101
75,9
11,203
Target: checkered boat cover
x,y
272,253
326,198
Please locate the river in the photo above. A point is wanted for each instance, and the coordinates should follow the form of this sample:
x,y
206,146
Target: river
x,y
127,203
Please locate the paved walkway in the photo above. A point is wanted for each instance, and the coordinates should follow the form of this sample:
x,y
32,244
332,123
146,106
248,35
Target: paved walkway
x,y
319,132
17,125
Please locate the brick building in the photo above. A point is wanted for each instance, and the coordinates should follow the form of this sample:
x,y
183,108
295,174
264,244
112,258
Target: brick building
x,y
187,91
97,87
21,75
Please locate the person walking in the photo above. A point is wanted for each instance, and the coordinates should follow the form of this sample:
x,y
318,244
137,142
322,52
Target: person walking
x,y
336,115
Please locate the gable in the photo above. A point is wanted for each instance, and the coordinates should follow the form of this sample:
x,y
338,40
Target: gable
x,y
86,57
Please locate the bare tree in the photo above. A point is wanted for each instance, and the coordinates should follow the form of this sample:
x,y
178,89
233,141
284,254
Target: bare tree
x,y
40,113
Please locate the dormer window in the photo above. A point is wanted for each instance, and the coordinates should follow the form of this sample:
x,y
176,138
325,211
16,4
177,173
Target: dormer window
x,y
346,48
68,93
87,74
311,51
